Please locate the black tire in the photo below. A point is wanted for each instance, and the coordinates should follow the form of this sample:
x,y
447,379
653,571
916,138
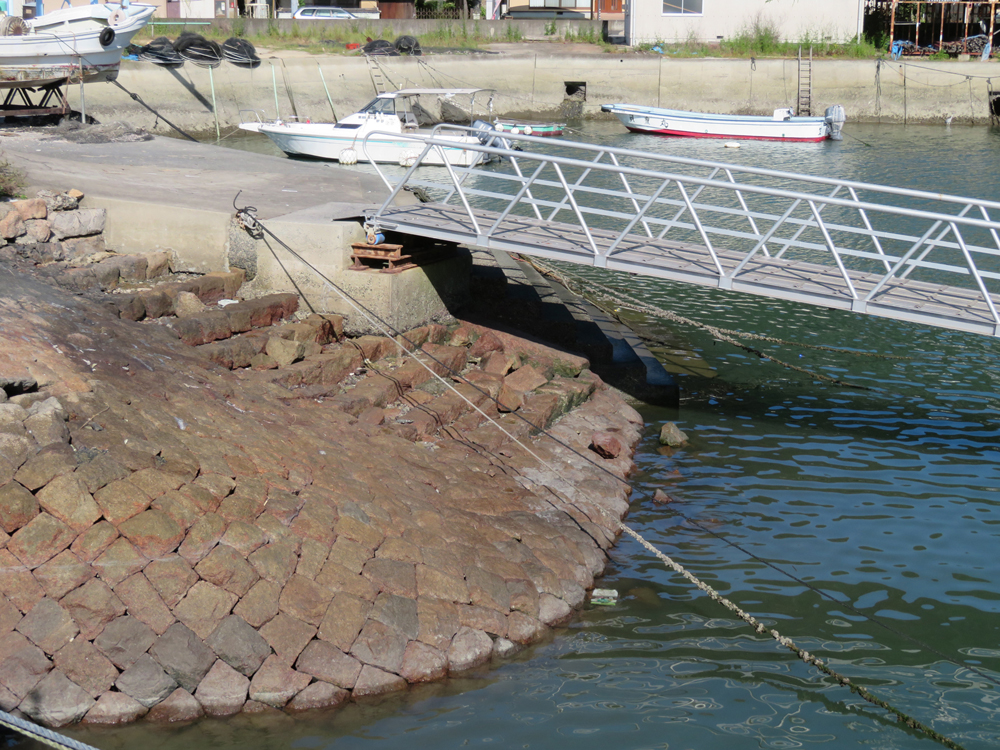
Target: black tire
x,y
107,37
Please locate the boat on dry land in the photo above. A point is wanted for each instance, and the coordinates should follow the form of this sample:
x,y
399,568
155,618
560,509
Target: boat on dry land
x,y
383,131
783,125
69,44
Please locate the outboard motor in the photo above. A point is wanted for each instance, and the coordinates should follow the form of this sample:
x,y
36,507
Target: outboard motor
x,y
488,136
835,119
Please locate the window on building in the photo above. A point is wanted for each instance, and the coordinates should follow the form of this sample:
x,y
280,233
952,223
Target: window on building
x,y
678,7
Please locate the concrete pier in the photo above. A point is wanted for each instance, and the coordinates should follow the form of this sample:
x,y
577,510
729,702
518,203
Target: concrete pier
x,y
177,196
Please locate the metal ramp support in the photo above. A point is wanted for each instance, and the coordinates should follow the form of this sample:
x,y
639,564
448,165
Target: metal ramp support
x,y
375,71
804,108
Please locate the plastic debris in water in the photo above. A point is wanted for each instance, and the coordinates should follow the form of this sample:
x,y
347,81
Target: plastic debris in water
x,y
604,597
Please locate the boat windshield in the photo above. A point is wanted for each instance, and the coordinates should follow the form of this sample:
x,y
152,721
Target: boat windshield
x,y
381,107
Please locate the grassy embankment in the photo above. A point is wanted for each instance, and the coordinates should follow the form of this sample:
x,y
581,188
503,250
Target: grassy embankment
x,y
760,37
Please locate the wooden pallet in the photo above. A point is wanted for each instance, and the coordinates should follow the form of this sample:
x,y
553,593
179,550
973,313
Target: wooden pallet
x,y
383,253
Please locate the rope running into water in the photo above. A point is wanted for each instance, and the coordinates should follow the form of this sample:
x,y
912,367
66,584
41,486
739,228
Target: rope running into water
x,y
788,643
250,222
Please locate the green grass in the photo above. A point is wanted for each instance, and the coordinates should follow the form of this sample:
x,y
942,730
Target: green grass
x,y
12,180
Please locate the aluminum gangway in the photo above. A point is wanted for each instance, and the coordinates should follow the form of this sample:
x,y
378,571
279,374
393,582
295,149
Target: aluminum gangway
x,y
911,255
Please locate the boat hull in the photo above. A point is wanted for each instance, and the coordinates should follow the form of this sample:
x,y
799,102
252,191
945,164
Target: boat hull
x,y
65,45
734,127
321,141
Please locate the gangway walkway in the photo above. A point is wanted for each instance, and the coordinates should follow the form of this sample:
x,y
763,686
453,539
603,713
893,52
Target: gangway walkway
x,y
910,255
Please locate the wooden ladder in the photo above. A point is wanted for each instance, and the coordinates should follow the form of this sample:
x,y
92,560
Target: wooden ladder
x,y
378,80
804,108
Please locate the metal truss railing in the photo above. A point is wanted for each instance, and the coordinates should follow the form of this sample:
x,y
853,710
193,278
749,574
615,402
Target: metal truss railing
x,y
614,197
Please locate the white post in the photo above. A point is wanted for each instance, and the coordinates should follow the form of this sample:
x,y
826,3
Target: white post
x,y
861,18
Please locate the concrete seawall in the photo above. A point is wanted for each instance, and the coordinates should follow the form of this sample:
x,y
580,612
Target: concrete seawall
x,y
536,83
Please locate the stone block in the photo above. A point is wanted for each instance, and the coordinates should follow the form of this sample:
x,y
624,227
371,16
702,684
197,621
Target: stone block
x,y
12,226
439,622
41,539
381,646
328,663
86,666
118,562
155,482
48,626
204,607
183,656
153,533
91,606
202,537
398,613
146,682
138,594
22,664
373,681
553,610
305,599
260,603
390,575
318,695
56,701
66,498
233,353
275,562
115,708
123,640
30,208
82,222
239,645
469,649
172,577
50,462
120,500
227,568
276,683
62,574
423,663
223,691
58,201
101,471
17,506
344,619
287,636
179,706
17,448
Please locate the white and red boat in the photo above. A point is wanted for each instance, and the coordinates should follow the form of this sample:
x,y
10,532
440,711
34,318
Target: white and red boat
x,y
783,125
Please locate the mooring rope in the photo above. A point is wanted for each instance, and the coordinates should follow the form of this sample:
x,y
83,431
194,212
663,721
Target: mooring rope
x,y
41,734
247,217
788,643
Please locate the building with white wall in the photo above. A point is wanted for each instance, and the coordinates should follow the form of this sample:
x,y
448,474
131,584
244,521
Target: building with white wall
x,y
716,20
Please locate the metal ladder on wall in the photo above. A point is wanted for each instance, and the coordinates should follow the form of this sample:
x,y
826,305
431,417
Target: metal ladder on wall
x,y
804,108
375,70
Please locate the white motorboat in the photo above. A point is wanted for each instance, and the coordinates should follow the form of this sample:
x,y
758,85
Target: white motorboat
x,y
378,132
84,42
783,125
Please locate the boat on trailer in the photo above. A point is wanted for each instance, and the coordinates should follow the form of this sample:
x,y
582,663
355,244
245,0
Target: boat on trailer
x,y
378,131
71,44
83,44
783,125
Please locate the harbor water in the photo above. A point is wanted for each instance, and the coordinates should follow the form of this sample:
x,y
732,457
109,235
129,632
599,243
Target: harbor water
x,y
858,515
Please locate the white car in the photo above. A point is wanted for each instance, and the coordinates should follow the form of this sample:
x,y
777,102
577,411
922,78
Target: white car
x,y
325,13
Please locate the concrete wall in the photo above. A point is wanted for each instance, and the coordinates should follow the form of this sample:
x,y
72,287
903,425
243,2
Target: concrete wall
x,y
536,84
836,20
390,28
